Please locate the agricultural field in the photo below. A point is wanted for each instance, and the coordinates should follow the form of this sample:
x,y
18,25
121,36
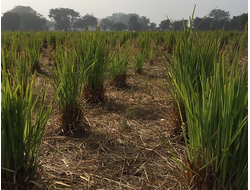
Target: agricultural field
x,y
124,110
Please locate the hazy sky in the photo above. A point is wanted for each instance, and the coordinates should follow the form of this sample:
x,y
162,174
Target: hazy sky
x,y
156,10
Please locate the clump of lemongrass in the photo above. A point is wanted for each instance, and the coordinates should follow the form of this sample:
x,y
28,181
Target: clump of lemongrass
x,y
20,134
151,55
138,62
118,66
67,74
213,96
170,39
92,54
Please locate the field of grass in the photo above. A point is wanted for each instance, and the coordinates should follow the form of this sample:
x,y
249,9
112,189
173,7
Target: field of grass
x,y
124,110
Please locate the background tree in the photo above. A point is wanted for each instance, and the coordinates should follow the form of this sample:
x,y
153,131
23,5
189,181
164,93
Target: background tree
x,y
133,23
219,24
64,18
137,23
120,17
119,26
81,23
179,24
23,18
165,25
201,24
23,9
90,20
152,26
106,24
234,23
50,24
144,23
243,19
10,21
86,22
32,21
219,14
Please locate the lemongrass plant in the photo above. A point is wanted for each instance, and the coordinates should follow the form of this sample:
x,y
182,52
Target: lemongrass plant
x,y
21,71
32,49
138,62
216,135
67,73
92,54
34,57
191,53
123,37
213,96
170,39
118,66
143,41
21,133
52,40
10,58
151,55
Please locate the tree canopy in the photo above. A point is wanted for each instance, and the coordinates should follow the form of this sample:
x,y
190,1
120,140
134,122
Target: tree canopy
x,y
165,25
106,24
243,19
119,26
85,22
24,18
31,21
23,9
152,26
179,24
64,18
144,23
133,23
10,21
219,14
202,24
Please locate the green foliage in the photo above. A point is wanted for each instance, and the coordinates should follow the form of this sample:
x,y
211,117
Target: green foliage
x,y
209,88
144,42
219,14
165,25
92,52
144,23
67,74
132,20
32,21
152,55
64,18
20,133
118,66
119,26
10,21
106,24
24,19
34,52
243,19
133,23
152,26
86,22
179,24
212,97
138,62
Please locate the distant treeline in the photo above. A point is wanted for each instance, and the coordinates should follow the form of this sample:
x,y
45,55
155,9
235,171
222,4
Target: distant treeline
x,y
64,19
